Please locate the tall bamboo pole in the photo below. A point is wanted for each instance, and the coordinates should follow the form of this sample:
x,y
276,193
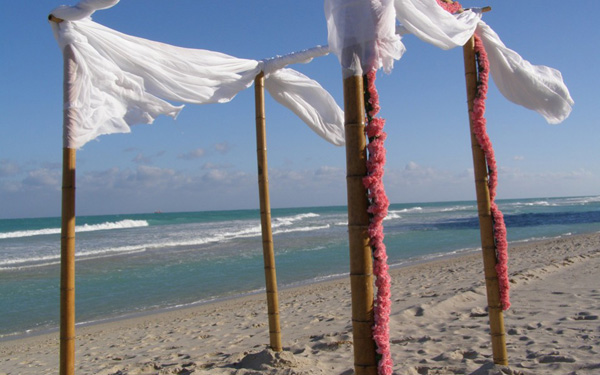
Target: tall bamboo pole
x,y
486,225
67,240
265,215
361,260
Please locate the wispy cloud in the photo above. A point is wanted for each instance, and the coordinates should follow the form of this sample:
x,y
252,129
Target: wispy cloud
x,y
8,168
209,165
222,147
141,158
42,179
193,155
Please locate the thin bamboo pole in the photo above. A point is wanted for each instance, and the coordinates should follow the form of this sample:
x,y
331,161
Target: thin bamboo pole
x,y
361,261
265,215
67,241
486,225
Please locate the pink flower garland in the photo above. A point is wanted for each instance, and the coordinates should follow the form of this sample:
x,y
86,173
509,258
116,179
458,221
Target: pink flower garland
x,y
378,210
479,128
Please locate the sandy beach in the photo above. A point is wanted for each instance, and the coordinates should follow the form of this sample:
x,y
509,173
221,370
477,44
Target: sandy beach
x,y
438,325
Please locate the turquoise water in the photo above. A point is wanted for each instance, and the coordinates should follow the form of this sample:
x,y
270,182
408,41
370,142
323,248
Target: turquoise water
x,y
128,264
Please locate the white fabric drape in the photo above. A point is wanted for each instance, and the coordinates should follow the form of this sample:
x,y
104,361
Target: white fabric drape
x,y
362,34
124,80
432,24
309,101
535,87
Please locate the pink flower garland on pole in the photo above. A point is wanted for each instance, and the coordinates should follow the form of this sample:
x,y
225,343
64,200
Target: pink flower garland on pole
x,y
479,128
378,210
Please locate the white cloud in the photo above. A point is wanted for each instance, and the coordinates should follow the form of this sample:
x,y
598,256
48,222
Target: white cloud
x,y
141,159
216,175
210,165
42,179
411,166
326,171
8,168
222,147
146,188
193,155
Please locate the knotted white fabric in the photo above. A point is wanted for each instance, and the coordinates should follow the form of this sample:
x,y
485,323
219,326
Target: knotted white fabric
x,y
432,24
83,9
124,80
362,34
535,87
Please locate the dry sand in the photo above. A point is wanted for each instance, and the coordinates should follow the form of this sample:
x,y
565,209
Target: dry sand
x,y
438,325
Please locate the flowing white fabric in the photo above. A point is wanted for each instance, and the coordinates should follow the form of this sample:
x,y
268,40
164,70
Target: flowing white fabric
x,y
362,34
536,87
125,80
309,101
432,24
106,99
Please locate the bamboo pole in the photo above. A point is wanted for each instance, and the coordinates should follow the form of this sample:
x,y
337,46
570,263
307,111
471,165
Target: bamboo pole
x,y
67,241
265,215
486,225
361,261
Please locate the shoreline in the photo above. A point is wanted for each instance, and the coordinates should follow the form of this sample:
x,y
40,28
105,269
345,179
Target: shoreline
x,y
411,262
165,310
441,299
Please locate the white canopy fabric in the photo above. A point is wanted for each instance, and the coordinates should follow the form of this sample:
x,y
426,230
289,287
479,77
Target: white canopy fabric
x,y
362,34
124,80
535,87
432,24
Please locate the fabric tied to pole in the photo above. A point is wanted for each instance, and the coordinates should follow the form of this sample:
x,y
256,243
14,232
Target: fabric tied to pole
x,y
124,80
362,34
83,9
535,87
432,24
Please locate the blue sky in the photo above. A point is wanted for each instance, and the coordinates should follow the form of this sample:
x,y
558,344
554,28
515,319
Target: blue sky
x,y
206,159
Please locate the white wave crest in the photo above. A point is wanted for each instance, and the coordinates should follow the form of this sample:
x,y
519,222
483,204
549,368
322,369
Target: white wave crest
x,y
123,224
456,208
412,209
302,229
393,215
290,220
538,203
47,260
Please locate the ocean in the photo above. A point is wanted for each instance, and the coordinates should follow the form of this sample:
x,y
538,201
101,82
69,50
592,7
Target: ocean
x,y
140,263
